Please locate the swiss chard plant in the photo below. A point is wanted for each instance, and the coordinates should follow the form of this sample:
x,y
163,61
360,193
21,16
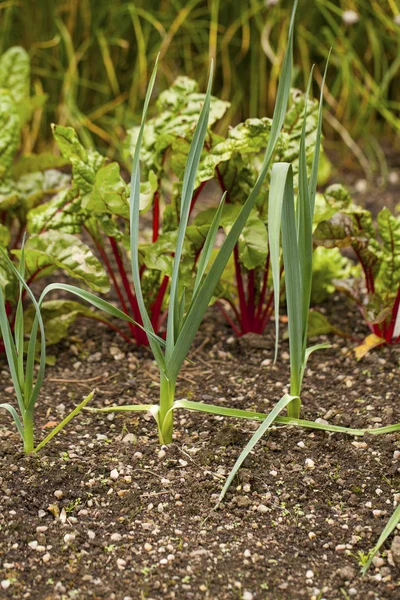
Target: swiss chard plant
x,y
232,162
25,181
376,290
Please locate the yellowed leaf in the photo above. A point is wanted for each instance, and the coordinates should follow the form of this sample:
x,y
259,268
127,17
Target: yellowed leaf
x,y
370,342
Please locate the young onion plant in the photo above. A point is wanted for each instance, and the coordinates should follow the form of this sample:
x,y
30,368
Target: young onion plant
x,y
185,314
290,226
21,360
27,384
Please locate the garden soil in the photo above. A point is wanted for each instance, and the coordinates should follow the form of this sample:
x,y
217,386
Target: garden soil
x,y
105,512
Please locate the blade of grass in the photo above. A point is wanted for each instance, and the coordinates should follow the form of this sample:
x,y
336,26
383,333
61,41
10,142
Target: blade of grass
x,y
64,422
389,528
283,402
15,416
189,178
134,233
99,303
207,249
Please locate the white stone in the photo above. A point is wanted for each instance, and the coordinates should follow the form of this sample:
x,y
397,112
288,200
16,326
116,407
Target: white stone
x,y
114,474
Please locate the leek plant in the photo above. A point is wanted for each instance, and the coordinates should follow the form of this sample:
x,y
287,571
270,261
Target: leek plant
x,y
185,314
27,384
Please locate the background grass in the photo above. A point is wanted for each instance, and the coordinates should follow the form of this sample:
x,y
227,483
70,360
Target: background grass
x,y
93,58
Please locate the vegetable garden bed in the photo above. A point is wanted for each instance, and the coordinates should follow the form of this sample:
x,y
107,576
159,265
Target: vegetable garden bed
x,y
105,512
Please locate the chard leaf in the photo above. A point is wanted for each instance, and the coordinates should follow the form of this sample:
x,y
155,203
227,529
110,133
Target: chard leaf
x,y
253,241
328,265
85,163
179,108
15,72
53,250
352,227
58,316
63,213
110,193
389,273
10,133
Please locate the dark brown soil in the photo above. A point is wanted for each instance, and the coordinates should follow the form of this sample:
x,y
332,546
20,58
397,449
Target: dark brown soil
x,y
104,512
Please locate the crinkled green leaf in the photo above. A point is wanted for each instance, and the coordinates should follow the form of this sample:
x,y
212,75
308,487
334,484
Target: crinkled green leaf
x,y
58,316
53,250
389,232
352,227
32,163
110,192
9,133
179,108
15,72
328,265
63,212
85,163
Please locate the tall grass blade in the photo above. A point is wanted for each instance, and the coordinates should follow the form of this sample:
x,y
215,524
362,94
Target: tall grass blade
x,y
11,352
15,416
189,178
134,233
100,304
283,402
207,249
64,422
389,528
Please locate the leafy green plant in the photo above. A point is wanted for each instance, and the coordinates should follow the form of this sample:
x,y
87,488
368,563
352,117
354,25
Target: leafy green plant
x,y
185,315
25,180
376,291
27,386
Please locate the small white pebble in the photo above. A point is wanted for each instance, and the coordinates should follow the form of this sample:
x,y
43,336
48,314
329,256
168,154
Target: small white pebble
x,y
309,463
5,584
116,537
162,454
91,534
114,474
148,547
309,574
301,444
340,547
160,507
58,494
33,545
262,509
121,563
68,538
247,595
46,557
378,561
247,553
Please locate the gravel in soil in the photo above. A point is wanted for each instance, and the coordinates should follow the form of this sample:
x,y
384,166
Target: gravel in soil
x,y
104,512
